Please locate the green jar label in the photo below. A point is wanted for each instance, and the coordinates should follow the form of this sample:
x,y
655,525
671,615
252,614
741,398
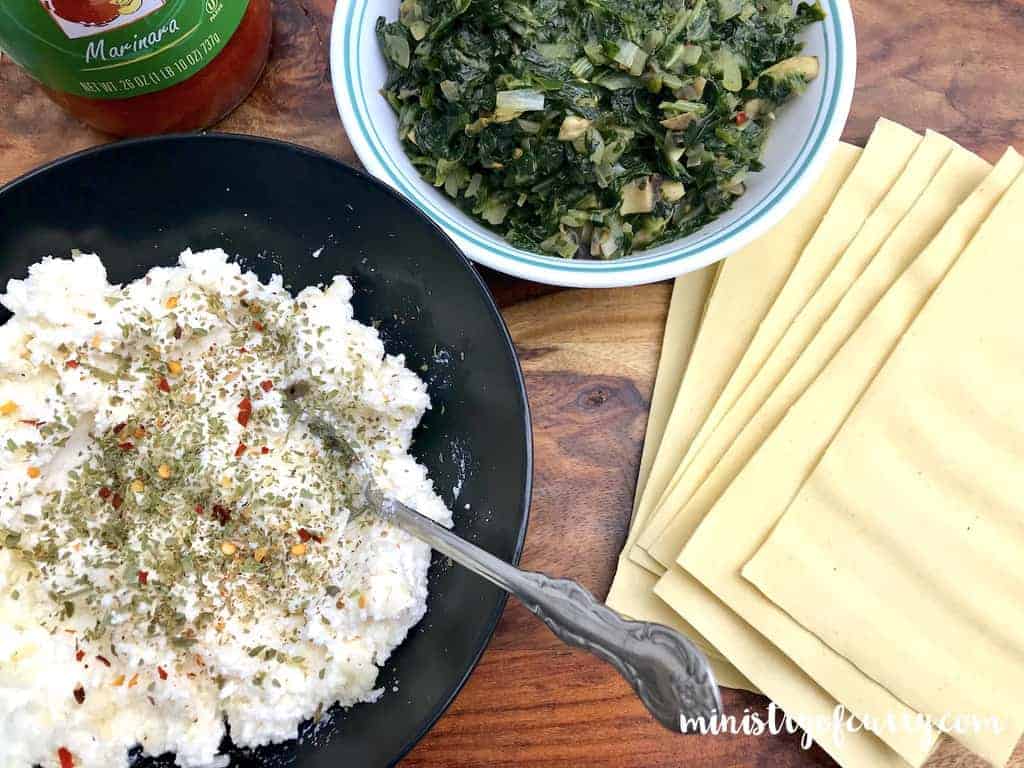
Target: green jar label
x,y
114,49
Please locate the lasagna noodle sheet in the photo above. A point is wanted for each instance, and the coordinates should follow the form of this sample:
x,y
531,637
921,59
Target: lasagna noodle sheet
x,y
881,163
902,550
739,522
747,284
732,444
630,592
745,287
690,295
787,684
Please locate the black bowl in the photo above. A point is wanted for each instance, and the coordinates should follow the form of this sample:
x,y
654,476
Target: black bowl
x,y
138,204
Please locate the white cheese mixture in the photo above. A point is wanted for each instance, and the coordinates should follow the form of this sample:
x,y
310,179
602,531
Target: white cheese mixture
x,y
177,556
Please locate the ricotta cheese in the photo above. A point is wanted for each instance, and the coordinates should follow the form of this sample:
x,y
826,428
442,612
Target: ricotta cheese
x,y
178,556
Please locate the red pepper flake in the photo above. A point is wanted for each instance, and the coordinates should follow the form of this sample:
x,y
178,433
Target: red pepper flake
x,y
162,385
199,509
116,501
66,760
264,450
243,350
257,325
105,493
267,385
741,118
162,672
239,450
244,411
143,577
126,445
79,655
223,514
31,422
305,536
119,427
103,660
177,331
79,694
71,364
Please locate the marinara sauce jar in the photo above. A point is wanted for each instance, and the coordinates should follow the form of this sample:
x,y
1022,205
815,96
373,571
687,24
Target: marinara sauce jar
x,y
139,67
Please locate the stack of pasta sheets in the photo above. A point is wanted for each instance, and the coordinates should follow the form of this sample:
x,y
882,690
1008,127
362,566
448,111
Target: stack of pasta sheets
x,y
830,497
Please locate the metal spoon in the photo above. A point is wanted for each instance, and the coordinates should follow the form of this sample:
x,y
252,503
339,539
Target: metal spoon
x,y
668,673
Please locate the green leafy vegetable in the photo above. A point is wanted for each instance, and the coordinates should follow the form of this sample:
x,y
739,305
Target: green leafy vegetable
x,y
592,128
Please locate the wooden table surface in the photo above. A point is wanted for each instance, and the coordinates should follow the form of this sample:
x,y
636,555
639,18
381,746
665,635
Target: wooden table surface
x,y
589,357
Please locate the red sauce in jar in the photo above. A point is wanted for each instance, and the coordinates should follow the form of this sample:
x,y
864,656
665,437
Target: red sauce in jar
x,y
139,67
199,102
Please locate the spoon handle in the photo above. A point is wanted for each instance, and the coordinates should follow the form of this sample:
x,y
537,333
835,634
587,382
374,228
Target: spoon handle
x,y
668,673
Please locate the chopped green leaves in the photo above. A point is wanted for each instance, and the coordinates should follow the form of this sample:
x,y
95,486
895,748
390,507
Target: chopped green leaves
x,y
592,128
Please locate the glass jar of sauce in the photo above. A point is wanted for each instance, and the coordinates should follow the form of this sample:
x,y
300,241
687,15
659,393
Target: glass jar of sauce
x,y
139,67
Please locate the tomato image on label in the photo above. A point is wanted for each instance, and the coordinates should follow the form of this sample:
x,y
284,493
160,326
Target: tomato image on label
x,y
93,12
84,18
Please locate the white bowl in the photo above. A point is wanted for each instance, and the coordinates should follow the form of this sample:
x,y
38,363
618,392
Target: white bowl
x,y
800,142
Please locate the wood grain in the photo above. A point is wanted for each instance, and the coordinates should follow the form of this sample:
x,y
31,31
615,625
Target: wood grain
x,y
949,65
589,358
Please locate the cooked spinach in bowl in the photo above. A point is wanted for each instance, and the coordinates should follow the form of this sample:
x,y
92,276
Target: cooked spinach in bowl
x,y
592,128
